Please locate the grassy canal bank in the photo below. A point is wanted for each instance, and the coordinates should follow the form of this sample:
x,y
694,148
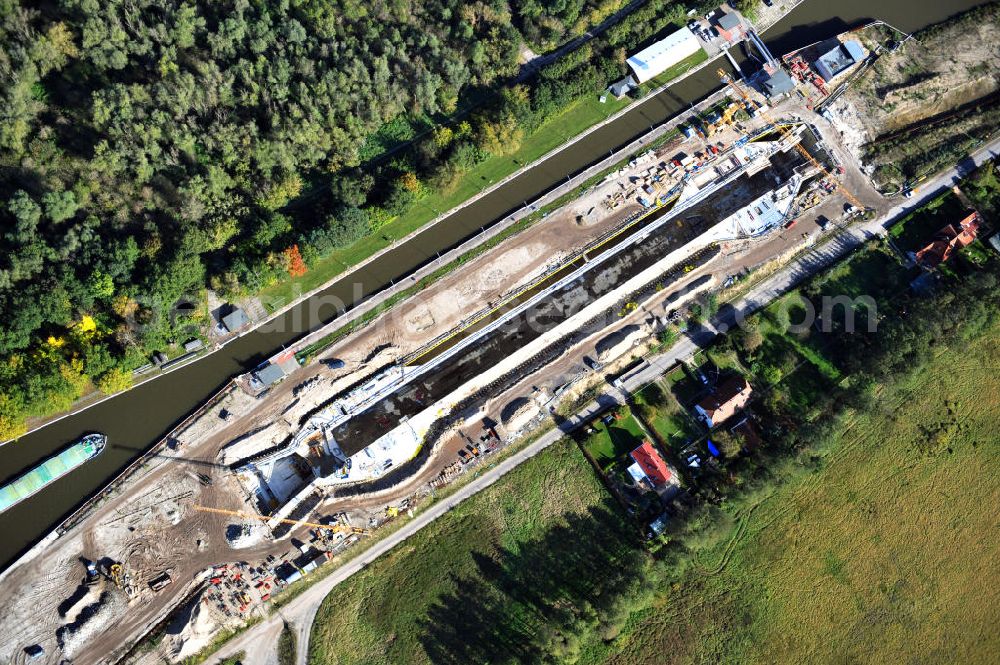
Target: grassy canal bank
x,y
579,116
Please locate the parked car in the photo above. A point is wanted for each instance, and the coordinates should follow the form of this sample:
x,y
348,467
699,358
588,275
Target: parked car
x,y
591,363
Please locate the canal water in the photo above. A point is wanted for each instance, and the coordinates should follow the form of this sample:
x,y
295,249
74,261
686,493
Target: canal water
x,y
136,419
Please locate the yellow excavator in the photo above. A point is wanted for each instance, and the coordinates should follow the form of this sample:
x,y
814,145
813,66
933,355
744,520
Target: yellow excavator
x,y
116,575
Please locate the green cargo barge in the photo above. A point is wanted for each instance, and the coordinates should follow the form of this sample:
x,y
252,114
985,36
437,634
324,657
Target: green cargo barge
x,y
51,470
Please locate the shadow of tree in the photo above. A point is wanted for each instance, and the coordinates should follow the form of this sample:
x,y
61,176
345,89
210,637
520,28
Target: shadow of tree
x,y
533,601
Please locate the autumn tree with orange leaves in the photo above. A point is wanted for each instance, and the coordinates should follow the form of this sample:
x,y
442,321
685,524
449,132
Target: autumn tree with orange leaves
x,y
296,266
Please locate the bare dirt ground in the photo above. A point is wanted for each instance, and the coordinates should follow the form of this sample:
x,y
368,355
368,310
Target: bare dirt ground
x,y
911,100
938,71
151,525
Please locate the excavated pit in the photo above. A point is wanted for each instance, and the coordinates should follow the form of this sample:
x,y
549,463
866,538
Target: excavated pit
x,y
382,417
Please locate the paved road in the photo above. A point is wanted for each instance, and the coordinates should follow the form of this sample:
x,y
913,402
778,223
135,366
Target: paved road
x,y
259,641
839,245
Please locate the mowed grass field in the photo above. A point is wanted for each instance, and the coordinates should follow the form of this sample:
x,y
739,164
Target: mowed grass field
x,y
534,540
888,552
560,128
578,116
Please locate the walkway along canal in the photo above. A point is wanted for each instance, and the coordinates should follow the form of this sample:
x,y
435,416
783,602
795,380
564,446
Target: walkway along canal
x,y
138,418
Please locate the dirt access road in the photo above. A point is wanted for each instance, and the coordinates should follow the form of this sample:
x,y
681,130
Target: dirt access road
x,y
152,527
258,642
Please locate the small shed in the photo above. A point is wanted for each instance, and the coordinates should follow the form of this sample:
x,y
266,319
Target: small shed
x,y
270,374
235,320
193,345
994,241
659,525
621,88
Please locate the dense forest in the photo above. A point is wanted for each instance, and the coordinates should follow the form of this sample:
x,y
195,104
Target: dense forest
x,y
150,150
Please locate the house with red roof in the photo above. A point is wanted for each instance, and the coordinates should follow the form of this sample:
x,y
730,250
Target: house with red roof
x,y
729,25
948,240
649,466
728,397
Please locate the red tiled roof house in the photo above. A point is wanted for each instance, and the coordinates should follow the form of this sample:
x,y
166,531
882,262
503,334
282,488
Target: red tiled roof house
x,y
649,465
729,397
948,240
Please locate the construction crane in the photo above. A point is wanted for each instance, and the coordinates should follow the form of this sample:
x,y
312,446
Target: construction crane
x,y
336,528
731,82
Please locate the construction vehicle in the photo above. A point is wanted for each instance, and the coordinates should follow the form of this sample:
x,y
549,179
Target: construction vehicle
x,y
159,582
787,133
719,120
335,528
116,575
93,577
115,572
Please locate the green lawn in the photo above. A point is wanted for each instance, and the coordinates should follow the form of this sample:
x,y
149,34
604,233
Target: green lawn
x,y
887,552
915,230
724,360
683,385
610,442
978,252
671,423
483,583
676,429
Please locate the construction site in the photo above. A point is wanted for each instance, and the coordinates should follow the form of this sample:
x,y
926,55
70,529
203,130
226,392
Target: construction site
x,y
382,423
282,472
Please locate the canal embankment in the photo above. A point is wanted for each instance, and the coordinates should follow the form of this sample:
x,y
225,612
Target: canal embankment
x,y
138,418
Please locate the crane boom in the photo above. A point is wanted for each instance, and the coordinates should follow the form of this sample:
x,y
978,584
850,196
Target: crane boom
x,y
337,528
731,82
